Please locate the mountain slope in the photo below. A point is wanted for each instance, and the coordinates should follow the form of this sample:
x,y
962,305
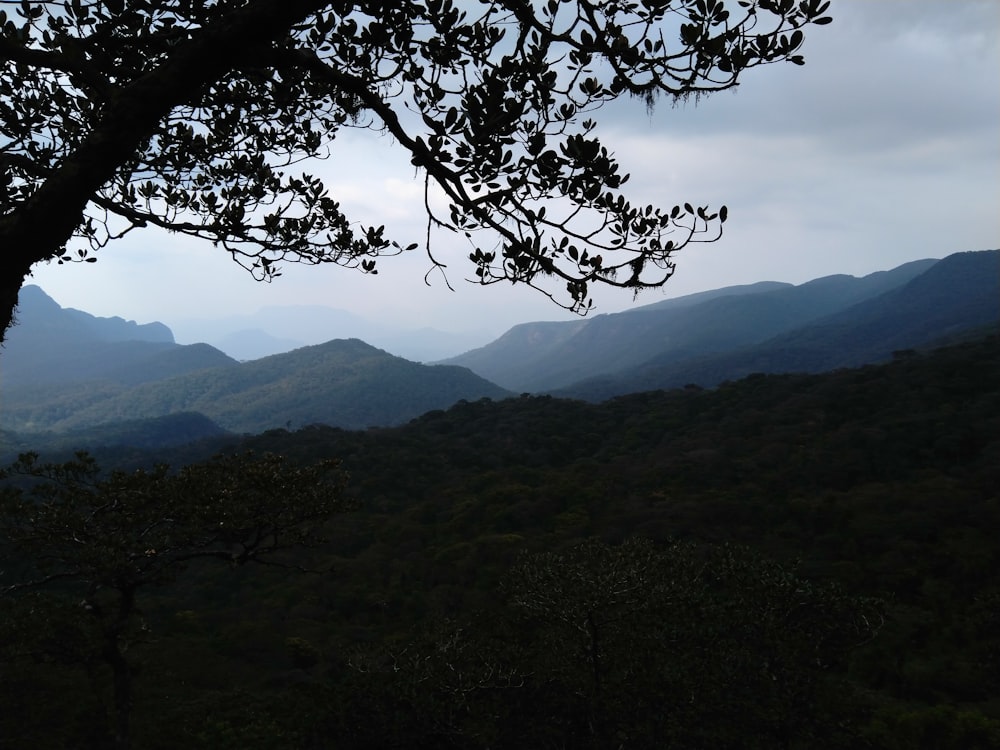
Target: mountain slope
x,y
36,311
955,296
534,358
280,329
344,383
55,345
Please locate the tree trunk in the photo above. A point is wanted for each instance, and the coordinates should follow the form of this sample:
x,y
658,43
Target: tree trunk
x,y
10,287
122,672
115,634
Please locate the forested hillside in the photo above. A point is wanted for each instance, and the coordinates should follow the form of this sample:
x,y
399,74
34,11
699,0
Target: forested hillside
x,y
346,383
66,371
836,321
800,561
52,347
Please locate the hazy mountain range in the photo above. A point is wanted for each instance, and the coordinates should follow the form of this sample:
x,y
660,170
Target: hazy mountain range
x,y
835,321
66,371
344,382
279,329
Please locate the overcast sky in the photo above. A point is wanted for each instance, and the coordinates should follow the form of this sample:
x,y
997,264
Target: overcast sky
x,y
883,148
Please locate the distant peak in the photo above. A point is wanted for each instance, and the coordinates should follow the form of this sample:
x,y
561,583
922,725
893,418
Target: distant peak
x,y
34,295
36,308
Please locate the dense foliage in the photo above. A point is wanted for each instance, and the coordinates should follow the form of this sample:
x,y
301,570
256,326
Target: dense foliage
x,y
815,567
343,382
100,542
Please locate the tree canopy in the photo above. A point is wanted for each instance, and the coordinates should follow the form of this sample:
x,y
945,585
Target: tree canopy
x,y
105,539
195,117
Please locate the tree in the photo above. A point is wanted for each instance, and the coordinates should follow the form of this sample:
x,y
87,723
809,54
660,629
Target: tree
x,y
99,541
632,645
687,646
192,116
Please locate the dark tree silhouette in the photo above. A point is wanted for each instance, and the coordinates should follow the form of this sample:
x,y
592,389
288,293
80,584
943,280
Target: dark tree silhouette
x,y
192,116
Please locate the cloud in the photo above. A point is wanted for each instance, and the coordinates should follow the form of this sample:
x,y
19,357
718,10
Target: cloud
x,y
882,149
882,73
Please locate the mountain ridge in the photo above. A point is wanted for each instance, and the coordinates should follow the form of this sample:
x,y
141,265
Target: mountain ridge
x,y
67,370
960,293
344,383
693,326
55,345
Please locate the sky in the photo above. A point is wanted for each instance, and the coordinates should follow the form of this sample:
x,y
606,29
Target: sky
x,y
883,148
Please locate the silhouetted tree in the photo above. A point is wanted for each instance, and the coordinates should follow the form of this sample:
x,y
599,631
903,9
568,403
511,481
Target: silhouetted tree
x,y
191,116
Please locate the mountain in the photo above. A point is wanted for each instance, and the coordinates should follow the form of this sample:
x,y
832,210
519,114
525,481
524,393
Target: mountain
x,y
52,345
282,328
728,291
253,343
550,356
956,297
37,312
65,370
343,383
526,348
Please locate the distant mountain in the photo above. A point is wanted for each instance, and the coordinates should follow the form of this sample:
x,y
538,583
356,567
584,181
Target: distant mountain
x,y
956,297
253,343
37,312
54,345
66,370
728,291
523,355
549,356
280,329
343,383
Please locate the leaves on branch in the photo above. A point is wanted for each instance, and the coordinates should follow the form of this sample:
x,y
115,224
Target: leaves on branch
x,y
132,529
194,117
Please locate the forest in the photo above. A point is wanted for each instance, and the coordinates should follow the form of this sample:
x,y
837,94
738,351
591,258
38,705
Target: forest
x,y
745,560
783,561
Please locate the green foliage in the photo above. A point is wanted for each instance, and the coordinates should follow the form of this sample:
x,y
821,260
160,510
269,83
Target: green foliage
x,y
882,479
302,653
96,541
465,594
192,118
936,728
688,646
139,528
630,645
345,383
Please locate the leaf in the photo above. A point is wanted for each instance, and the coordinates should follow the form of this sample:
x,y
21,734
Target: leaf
x,y
222,166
